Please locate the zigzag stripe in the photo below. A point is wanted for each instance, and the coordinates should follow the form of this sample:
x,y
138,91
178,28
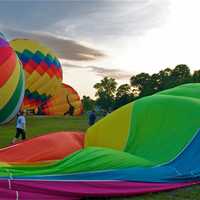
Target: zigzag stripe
x,y
36,96
42,66
38,56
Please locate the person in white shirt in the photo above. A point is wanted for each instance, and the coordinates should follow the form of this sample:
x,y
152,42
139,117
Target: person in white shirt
x,y
20,127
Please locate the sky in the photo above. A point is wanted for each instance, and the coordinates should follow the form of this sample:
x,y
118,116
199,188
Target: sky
x,y
115,38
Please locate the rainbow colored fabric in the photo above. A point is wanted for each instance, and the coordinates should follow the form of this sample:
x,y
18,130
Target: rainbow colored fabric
x,y
43,72
149,145
11,82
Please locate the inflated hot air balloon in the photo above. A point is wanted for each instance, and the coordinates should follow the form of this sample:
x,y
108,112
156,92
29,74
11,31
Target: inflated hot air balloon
x,y
42,71
11,82
57,104
65,101
74,100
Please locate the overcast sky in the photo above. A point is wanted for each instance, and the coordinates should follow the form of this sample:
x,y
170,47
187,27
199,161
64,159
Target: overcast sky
x,y
118,38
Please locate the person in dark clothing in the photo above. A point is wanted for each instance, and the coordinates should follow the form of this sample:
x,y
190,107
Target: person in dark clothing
x,y
92,118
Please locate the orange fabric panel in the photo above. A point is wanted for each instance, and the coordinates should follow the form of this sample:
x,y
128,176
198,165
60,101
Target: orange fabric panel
x,y
48,147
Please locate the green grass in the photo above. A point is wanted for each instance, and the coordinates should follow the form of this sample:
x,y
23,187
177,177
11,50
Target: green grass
x,y
41,125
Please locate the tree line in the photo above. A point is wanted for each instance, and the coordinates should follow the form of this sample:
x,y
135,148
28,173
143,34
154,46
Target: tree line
x,y
110,96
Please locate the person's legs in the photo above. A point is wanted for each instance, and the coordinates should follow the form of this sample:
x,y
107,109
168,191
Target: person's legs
x,y
23,133
16,136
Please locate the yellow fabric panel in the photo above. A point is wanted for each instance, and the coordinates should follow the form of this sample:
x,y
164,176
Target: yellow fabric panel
x,y
41,84
9,87
32,78
60,108
21,44
105,133
45,87
76,104
73,97
26,76
56,84
44,79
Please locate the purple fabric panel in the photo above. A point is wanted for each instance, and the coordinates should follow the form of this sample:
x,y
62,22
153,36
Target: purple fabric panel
x,y
3,43
11,191
7,194
93,188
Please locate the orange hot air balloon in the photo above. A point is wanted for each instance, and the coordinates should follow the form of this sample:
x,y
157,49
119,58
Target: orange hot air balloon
x,y
65,101
74,100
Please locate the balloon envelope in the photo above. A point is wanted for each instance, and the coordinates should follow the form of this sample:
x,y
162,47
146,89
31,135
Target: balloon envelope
x,y
42,71
11,82
65,101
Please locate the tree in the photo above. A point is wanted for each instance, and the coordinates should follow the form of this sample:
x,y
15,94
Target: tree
x,y
88,103
123,90
105,93
143,82
181,74
163,80
196,76
107,85
124,95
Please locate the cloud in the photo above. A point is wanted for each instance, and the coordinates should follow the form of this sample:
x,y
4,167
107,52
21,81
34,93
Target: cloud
x,y
100,71
66,48
102,20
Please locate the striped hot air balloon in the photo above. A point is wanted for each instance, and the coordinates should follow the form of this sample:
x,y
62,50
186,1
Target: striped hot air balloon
x,y
42,71
11,82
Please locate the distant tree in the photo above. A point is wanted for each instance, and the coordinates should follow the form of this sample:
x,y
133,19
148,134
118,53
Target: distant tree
x,y
88,103
181,74
162,80
165,79
143,83
124,95
123,90
105,102
107,85
105,93
196,76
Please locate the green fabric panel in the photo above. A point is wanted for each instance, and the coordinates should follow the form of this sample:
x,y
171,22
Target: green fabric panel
x,y
88,159
10,106
162,124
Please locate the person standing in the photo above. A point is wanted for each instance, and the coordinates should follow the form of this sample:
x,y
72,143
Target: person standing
x,y
20,127
92,117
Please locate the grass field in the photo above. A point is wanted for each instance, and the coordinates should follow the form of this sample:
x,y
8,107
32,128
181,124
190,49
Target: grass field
x,y
41,125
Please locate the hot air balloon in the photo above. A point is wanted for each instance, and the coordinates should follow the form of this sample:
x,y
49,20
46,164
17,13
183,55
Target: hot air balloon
x,y
65,101
11,82
43,73
74,100
148,145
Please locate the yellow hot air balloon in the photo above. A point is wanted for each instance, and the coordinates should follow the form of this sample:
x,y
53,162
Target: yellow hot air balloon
x,y
43,73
